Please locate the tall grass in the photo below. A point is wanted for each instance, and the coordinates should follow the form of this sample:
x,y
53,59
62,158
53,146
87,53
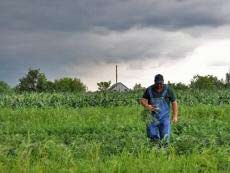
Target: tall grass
x,y
100,139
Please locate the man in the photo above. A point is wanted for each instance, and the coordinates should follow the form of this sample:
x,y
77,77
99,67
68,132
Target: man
x,y
157,99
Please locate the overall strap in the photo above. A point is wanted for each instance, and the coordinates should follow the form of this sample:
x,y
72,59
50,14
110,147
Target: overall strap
x,y
150,92
163,94
165,91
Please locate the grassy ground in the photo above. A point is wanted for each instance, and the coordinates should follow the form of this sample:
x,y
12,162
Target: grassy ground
x,y
112,140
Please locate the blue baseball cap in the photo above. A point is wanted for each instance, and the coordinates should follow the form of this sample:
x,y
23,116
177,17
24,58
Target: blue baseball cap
x,y
159,79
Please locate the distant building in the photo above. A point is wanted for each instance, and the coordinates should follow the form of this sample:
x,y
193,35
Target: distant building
x,y
119,87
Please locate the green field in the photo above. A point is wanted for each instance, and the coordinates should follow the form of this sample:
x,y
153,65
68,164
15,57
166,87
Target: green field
x,y
69,138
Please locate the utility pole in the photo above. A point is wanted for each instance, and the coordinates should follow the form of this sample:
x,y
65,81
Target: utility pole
x,y
116,73
228,75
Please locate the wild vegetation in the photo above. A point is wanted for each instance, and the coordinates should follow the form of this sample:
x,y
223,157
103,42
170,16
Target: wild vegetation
x,y
78,131
97,139
36,81
107,99
105,132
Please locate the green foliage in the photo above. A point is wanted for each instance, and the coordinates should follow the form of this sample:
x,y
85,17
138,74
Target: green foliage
x,y
44,132
228,78
112,140
67,84
4,87
103,86
108,99
110,136
179,86
50,87
206,82
34,81
137,87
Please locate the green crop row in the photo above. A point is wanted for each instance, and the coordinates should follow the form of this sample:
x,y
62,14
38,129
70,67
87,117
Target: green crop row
x,y
112,140
107,99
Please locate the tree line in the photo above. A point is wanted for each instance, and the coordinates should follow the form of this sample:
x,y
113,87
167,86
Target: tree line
x,y
36,81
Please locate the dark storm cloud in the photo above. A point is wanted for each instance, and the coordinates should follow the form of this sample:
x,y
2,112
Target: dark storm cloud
x,y
55,34
72,15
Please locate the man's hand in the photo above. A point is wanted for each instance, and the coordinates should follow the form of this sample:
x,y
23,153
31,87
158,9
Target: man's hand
x,y
151,108
144,102
174,119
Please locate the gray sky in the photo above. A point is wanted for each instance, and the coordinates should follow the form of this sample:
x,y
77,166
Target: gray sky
x,y
85,39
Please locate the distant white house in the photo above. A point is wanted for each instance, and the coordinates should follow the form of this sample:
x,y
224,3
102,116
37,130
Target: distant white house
x,y
119,87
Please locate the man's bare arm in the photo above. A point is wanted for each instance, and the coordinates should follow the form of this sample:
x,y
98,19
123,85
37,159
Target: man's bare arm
x,y
144,102
175,111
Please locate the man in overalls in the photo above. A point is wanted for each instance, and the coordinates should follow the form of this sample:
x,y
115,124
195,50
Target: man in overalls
x,y
157,99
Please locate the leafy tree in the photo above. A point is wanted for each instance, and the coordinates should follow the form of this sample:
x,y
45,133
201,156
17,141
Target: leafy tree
x,y
50,86
33,81
227,78
179,86
4,87
67,84
138,87
103,86
206,82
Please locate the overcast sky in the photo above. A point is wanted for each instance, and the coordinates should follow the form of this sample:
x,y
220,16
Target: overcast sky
x,y
86,38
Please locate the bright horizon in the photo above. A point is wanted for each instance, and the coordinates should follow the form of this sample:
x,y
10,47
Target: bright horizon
x,y
208,59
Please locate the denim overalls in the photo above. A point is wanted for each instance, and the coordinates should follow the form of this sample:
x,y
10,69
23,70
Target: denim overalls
x,y
159,128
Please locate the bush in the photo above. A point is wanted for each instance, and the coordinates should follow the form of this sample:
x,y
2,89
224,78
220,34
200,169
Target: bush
x,y
4,87
206,82
179,86
69,85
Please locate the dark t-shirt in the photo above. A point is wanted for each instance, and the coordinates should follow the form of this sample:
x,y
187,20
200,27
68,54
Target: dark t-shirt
x,y
169,97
